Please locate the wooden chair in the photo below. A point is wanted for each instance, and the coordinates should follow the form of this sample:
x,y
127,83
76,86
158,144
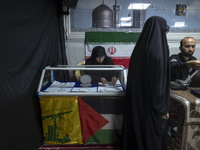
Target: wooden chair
x,y
78,72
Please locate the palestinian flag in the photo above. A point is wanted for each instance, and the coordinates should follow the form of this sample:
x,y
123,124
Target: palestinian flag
x,y
118,45
107,128
91,121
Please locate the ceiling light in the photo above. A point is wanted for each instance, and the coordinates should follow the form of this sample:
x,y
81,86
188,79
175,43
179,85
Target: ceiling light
x,y
125,18
123,24
179,24
139,6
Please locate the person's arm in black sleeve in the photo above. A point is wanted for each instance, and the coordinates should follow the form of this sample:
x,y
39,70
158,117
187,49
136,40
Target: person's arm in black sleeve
x,y
112,75
176,65
177,68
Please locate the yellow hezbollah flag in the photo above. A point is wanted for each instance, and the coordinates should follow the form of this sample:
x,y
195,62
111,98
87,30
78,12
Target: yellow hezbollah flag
x,y
61,120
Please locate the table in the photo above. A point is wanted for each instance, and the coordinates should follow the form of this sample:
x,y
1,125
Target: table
x,y
184,122
62,101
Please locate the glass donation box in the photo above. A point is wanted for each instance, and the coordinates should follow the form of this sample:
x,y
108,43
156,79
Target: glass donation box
x,y
80,110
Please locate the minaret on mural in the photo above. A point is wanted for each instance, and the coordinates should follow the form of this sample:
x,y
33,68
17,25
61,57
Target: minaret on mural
x,y
116,9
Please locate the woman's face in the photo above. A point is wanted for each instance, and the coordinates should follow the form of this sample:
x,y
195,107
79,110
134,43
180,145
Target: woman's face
x,y
100,59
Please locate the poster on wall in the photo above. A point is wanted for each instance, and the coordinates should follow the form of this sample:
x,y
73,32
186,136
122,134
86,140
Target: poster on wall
x,y
181,9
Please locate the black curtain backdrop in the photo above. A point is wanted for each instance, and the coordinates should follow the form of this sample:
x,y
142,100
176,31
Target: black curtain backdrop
x,y
31,37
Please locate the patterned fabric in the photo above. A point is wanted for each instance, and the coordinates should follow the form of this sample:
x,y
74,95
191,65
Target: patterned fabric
x,y
184,123
191,103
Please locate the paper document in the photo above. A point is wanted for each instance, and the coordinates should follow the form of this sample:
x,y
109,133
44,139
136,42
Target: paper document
x,y
58,90
84,89
110,89
60,87
62,84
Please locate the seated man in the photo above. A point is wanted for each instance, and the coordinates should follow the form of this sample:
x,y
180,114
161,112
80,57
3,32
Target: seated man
x,y
99,57
184,64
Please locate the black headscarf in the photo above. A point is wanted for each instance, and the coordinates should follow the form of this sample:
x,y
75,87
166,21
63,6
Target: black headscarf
x,y
147,91
97,52
97,75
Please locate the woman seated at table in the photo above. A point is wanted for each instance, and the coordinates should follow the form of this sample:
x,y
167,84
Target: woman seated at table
x,y
99,57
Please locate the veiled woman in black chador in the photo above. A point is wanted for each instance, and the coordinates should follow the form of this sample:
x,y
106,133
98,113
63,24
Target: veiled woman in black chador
x,y
147,91
99,57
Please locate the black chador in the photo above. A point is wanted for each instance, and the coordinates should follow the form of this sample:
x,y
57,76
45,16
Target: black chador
x,y
147,91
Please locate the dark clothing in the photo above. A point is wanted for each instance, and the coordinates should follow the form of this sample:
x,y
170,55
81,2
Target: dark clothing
x,y
179,70
147,91
98,74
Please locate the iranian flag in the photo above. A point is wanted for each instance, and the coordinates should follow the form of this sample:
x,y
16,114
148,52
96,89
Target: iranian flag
x,y
118,45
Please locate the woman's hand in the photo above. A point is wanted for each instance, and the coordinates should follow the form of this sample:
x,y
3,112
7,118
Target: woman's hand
x,y
104,81
113,80
165,116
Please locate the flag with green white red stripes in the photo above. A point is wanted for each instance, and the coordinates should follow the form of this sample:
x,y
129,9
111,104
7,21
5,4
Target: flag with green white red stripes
x,y
118,45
